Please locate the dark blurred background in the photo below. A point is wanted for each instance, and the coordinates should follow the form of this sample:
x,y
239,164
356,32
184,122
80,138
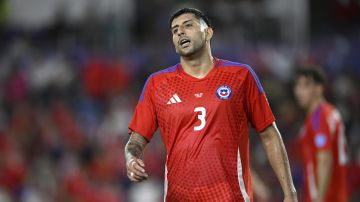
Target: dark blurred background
x,y
71,72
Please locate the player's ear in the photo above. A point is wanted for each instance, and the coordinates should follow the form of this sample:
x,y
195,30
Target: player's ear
x,y
209,33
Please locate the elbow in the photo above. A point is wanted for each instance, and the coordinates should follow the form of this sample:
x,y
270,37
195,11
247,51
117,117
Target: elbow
x,y
270,134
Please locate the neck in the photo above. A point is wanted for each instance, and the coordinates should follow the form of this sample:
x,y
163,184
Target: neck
x,y
314,105
198,65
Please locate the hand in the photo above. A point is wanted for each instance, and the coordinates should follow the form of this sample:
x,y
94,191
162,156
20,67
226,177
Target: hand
x,y
136,170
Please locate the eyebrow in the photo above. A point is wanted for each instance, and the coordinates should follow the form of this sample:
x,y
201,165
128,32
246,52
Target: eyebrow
x,y
175,26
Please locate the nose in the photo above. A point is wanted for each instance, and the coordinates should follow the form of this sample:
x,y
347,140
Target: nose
x,y
181,31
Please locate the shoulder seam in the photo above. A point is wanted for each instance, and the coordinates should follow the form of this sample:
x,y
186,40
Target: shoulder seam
x,y
248,67
234,64
166,70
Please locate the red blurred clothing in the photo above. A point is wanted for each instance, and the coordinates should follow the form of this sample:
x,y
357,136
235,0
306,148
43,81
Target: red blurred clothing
x,y
204,127
323,130
16,87
81,189
13,169
102,76
65,122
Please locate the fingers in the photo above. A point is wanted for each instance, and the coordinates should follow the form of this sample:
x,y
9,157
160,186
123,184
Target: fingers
x,y
136,170
141,162
135,178
136,175
139,165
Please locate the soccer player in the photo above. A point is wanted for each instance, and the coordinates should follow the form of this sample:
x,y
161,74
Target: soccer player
x,y
203,106
322,141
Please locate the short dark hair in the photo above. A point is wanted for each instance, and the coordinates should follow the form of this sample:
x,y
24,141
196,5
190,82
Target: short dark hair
x,y
198,15
314,73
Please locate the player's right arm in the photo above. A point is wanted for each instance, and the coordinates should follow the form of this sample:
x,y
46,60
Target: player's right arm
x,y
144,122
134,152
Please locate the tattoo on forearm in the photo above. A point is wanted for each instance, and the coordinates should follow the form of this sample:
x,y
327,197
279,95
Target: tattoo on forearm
x,y
135,146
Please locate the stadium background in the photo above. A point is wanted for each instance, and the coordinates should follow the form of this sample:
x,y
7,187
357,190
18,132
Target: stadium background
x,y
71,72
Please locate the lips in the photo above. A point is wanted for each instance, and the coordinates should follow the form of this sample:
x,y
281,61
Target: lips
x,y
184,42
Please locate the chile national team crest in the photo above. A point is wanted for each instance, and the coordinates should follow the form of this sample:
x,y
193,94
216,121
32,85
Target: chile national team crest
x,y
223,92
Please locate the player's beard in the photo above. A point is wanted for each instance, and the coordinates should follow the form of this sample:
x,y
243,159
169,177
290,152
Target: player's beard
x,y
195,47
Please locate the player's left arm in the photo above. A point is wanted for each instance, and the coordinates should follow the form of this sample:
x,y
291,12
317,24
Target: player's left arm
x,y
324,169
277,155
324,159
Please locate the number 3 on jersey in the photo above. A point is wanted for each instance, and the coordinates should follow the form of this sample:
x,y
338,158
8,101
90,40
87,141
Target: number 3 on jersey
x,y
201,117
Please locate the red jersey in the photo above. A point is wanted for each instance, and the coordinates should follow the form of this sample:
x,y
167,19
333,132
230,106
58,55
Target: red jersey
x,y
204,127
323,130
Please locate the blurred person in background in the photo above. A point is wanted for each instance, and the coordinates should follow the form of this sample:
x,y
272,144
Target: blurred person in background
x,y
322,141
202,106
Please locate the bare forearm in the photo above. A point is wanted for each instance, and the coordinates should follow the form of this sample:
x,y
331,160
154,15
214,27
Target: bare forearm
x,y
134,151
324,170
278,159
135,147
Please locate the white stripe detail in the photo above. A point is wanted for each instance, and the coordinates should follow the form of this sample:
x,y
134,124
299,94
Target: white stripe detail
x,y
165,181
311,180
177,98
241,179
174,99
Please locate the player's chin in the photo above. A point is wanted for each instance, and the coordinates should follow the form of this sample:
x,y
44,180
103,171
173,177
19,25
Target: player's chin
x,y
186,53
302,104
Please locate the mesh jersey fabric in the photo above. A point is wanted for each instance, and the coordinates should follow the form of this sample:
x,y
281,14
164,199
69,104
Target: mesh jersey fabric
x,y
204,125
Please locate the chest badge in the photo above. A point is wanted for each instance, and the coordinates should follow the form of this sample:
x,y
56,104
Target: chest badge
x,y
223,92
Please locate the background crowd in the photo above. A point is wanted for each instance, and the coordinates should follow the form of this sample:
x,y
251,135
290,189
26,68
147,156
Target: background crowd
x,y
71,72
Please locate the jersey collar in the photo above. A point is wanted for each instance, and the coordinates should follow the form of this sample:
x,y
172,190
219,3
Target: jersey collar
x,y
209,74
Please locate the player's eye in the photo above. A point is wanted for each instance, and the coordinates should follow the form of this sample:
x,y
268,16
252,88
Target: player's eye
x,y
188,25
174,31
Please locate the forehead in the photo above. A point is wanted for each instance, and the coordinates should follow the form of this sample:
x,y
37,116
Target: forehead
x,y
182,18
302,79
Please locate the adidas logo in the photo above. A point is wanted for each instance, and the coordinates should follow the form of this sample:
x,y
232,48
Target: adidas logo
x,y
174,99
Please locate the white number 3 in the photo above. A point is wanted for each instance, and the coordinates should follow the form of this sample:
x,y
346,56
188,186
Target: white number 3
x,y
201,117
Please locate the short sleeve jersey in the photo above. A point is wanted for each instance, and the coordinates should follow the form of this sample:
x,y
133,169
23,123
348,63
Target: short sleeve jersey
x,y
323,130
204,125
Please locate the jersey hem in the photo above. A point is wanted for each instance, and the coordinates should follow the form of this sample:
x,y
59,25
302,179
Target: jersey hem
x,y
140,133
267,123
